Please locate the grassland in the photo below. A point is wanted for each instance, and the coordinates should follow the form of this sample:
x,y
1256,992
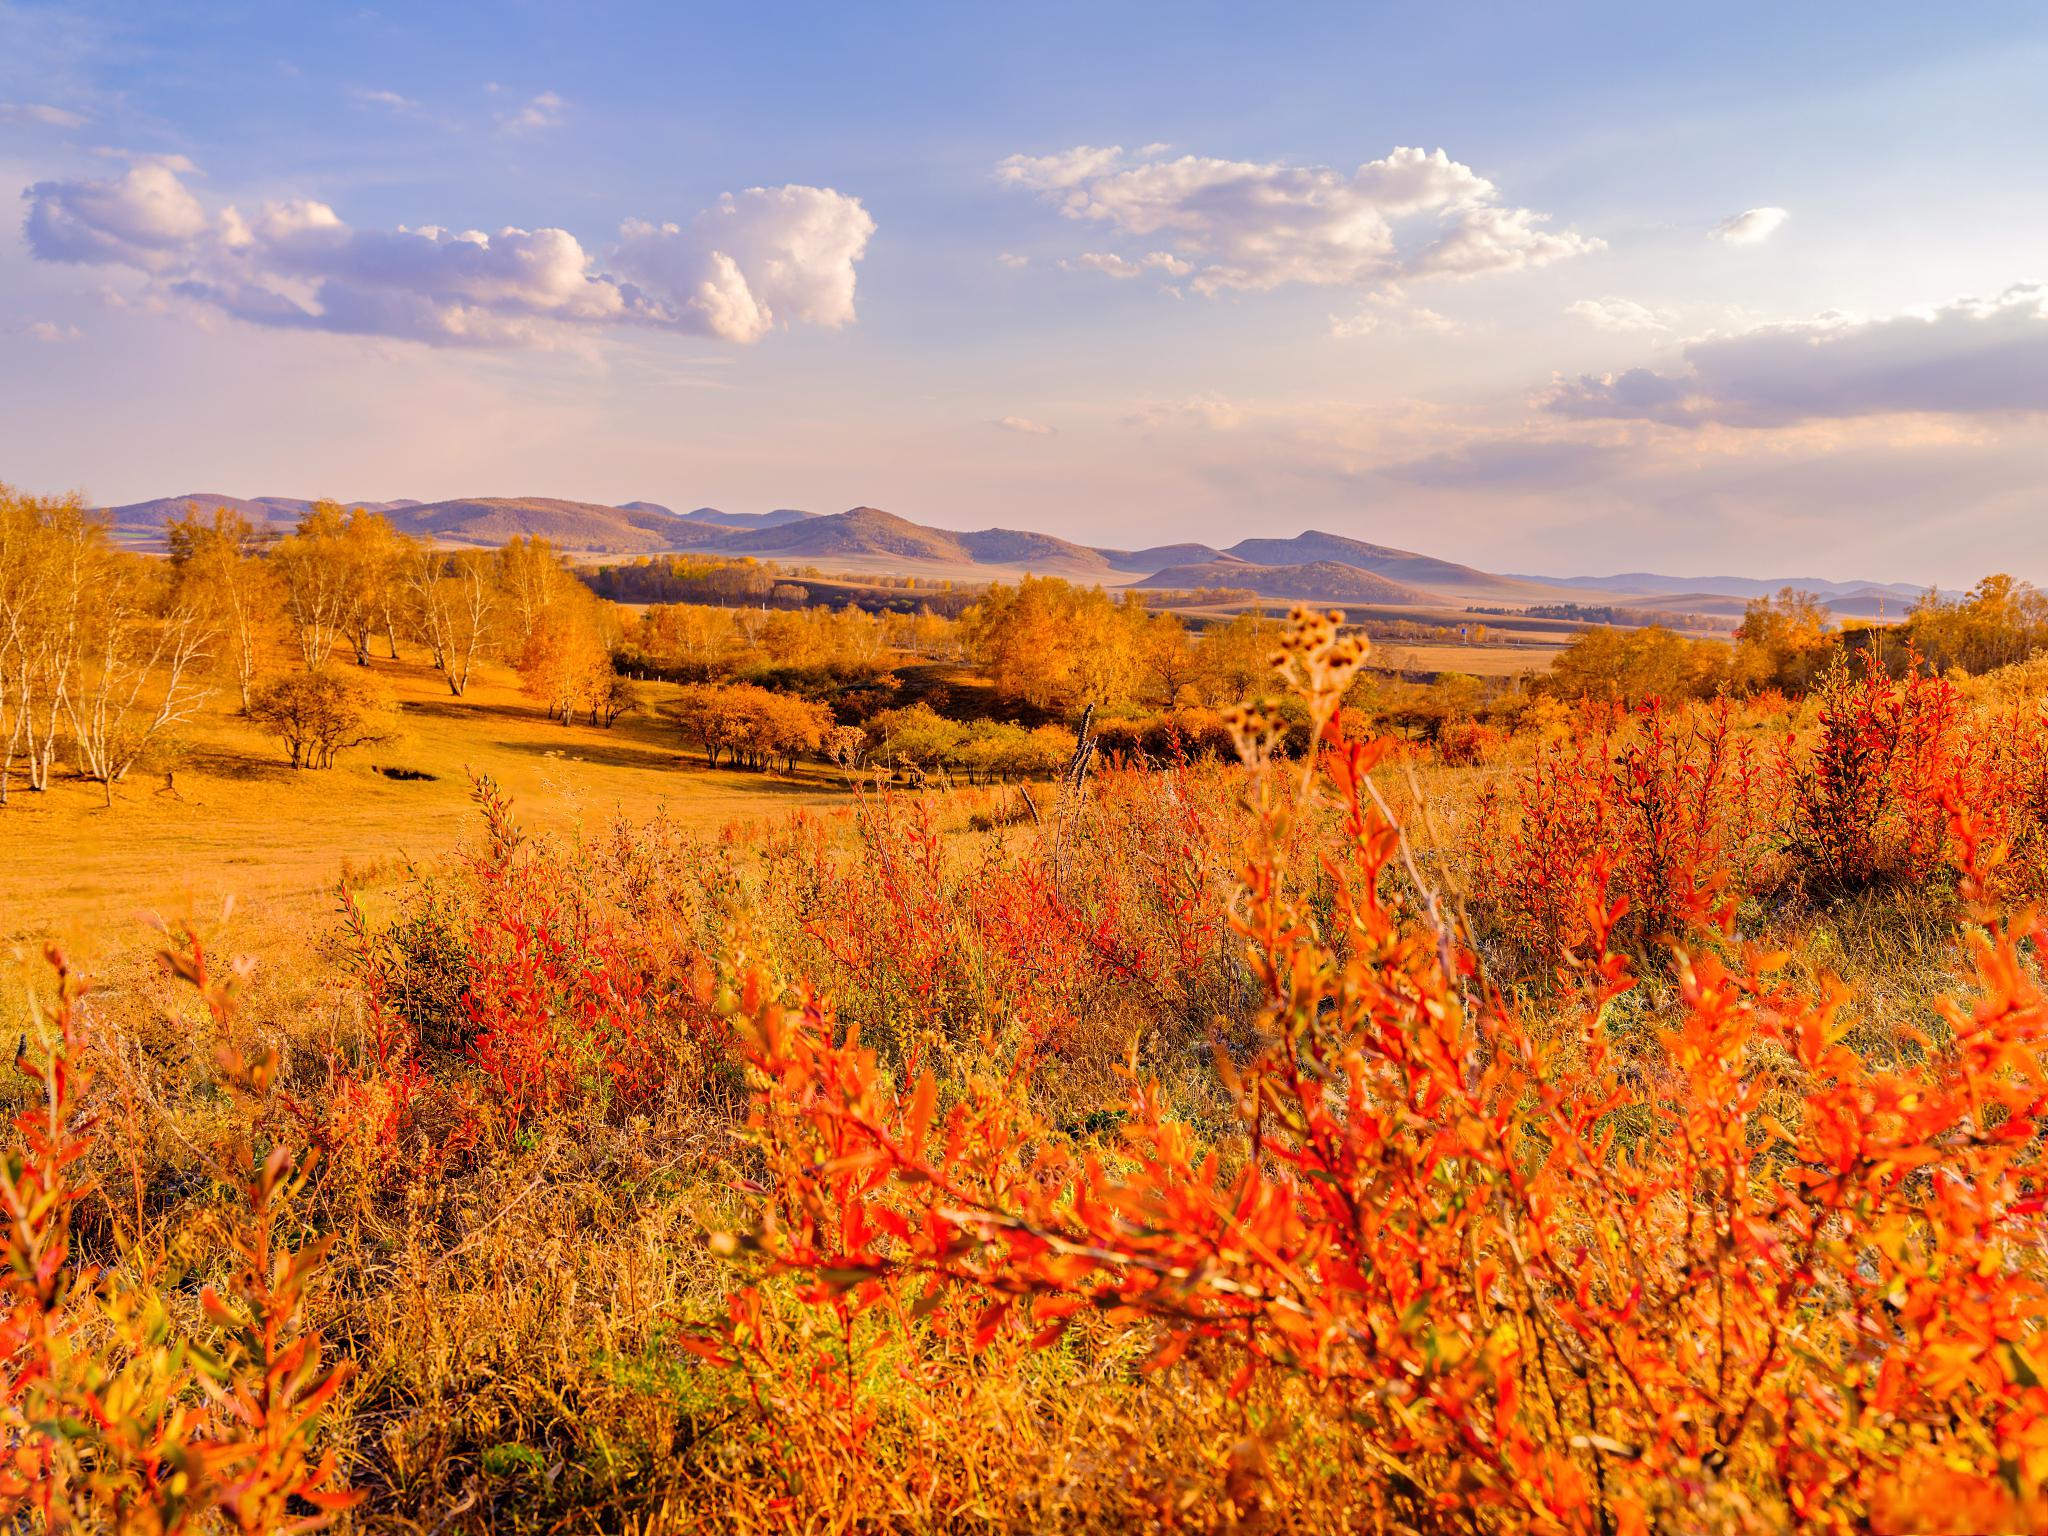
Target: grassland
x,y
234,821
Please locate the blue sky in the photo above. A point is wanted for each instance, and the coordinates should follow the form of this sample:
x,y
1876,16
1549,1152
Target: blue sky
x,y
1735,288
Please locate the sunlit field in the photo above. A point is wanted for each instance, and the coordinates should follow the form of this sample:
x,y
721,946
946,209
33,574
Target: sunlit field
x,y
225,816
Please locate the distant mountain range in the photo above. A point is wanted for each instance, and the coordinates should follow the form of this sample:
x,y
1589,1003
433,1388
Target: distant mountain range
x,y
1313,565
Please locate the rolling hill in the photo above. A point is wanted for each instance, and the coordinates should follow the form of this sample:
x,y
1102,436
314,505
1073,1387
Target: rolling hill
x,y
577,525
1145,561
1313,565
1399,565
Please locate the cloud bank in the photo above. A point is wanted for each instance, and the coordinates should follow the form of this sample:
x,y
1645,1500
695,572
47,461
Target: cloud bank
x,y
1259,225
763,259
1970,357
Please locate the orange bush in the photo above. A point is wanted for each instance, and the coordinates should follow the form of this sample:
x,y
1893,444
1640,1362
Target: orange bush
x,y
1750,1281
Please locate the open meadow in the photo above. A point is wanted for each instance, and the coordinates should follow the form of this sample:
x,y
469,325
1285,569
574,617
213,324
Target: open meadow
x,y
222,814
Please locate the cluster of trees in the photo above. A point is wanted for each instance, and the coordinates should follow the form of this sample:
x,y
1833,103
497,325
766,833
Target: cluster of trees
x,y
1788,642
344,579
917,736
102,652
698,641
690,578
1050,644
1998,622
105,652
754,727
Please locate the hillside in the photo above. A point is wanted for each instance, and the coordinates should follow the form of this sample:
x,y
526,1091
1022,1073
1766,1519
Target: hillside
x,y
1320,580
577,525
1399,565
712,517
861,531
1158,557
1039,551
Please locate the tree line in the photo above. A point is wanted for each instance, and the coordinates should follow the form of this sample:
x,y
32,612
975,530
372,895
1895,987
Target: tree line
x,y
105,651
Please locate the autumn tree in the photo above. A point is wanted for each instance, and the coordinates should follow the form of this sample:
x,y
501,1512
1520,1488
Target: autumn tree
x,y
748,725
453,602
1630,666
565,664
138,666
319,569
1784,641
319,714
532,577
1999,621
221,572
46,552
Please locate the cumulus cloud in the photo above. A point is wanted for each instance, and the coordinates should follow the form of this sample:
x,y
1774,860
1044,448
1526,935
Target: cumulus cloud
x,y
38,112
1613,314
543,111
1969,357
1258,225
1750,228
1013,260
51,330
766,258
1025,425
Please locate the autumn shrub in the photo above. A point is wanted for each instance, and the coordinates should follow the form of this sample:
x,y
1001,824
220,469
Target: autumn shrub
x,y
1674,813
120,1410
1502,1274
1866,804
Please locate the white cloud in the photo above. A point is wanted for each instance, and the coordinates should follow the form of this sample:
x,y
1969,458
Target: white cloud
x,y
1970,357
50,330
1390,307
403,105
1214,413
543,111
145,218
1613,314
38,112
1069,168
1252,225
1112,265
1750,228
767,257
1025,425
1013,260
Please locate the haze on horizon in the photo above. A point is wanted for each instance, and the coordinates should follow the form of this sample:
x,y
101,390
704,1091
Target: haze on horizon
x,y
1757,291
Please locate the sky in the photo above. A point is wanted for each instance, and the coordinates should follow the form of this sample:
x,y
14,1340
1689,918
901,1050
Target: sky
x,y
1564,289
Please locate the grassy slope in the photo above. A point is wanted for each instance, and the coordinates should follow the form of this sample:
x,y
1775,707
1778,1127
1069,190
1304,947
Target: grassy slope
x,y
243,824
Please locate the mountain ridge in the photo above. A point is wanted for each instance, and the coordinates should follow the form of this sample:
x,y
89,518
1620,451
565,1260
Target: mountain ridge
x,y
1312,564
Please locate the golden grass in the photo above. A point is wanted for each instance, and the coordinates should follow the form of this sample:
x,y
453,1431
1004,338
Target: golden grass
x,y
239,823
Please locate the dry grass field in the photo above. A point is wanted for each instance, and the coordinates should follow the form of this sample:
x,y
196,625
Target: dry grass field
x,y
238,823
